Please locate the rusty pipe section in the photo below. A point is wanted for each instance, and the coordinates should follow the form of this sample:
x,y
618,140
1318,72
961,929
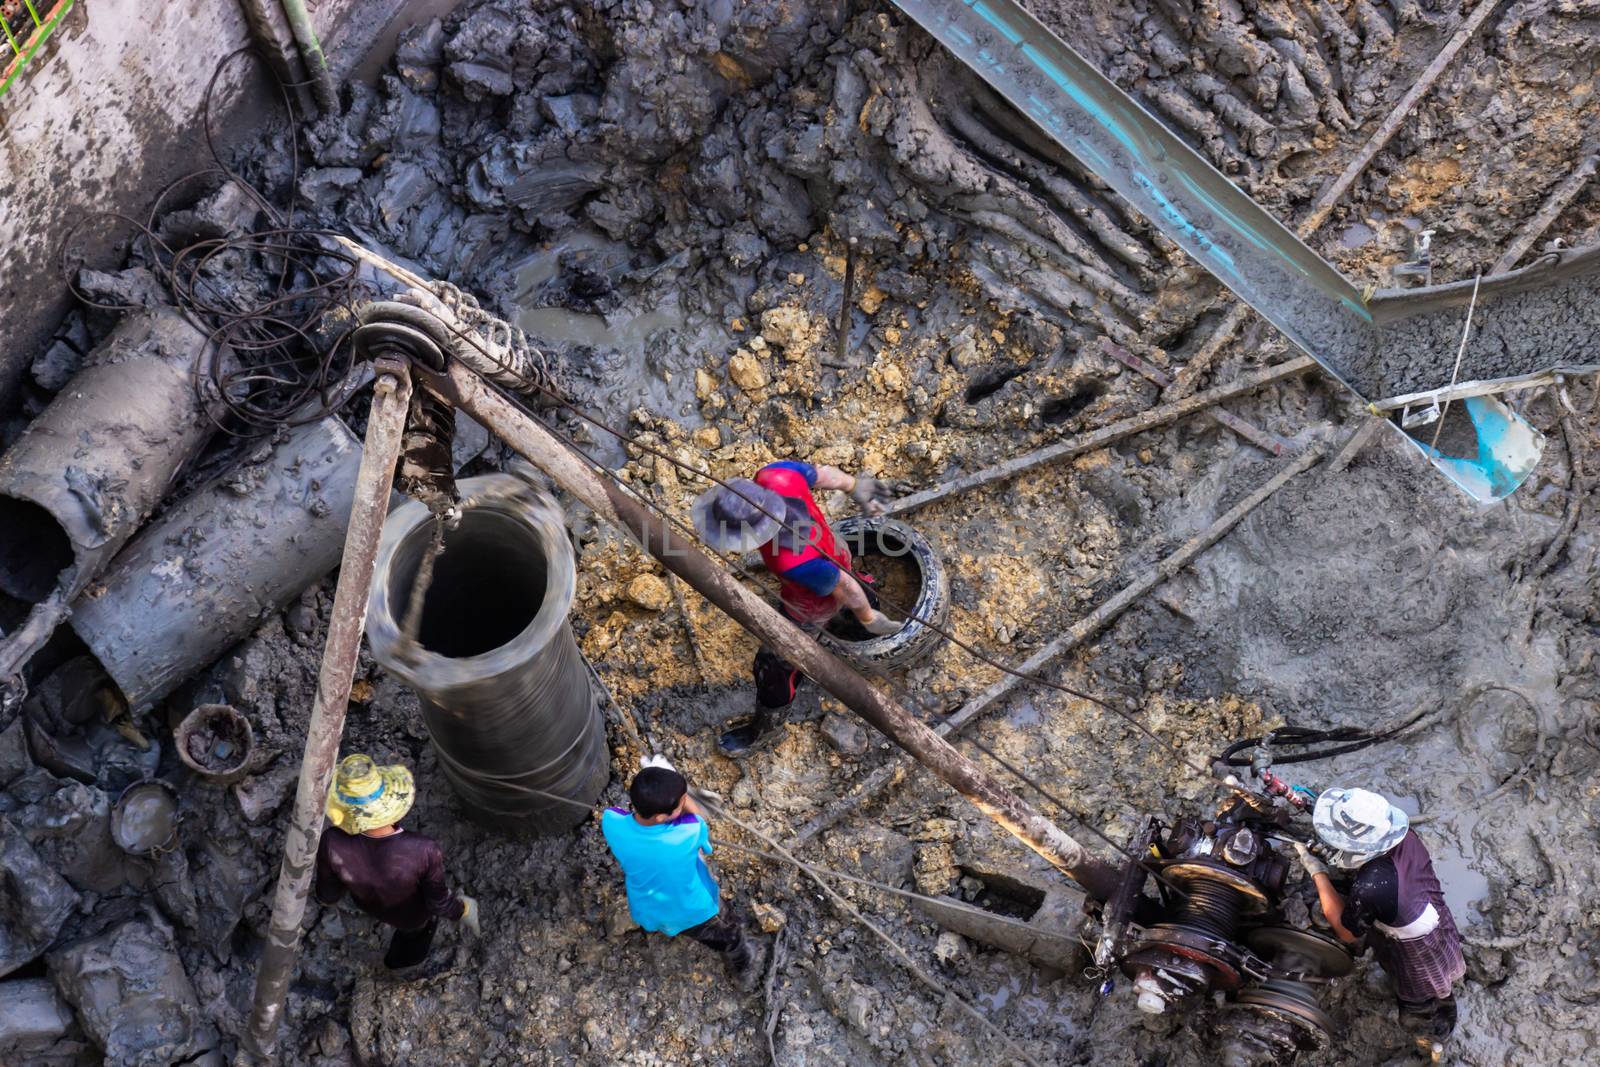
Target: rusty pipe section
x,y
506,694
85,474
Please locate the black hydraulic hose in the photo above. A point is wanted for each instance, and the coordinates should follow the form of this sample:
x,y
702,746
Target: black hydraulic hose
x,y
1355,739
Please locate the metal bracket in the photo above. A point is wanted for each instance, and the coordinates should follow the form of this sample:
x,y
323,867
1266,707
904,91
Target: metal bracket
x,y
1424,416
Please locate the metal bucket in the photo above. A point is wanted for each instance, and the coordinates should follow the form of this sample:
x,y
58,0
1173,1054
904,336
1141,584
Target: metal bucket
x,y
144,819
216,742
506,694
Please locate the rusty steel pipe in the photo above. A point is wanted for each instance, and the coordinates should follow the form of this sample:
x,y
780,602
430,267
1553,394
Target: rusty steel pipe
x,y
391,399
557,459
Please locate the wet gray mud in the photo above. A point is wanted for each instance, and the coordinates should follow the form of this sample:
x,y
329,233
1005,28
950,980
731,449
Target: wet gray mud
x,y
667,195
1517,329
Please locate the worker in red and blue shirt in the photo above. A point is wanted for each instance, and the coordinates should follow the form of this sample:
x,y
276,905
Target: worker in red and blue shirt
x,y
777,512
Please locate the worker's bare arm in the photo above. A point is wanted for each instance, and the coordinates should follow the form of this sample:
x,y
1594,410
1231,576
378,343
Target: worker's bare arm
x,y
1333,907
834,478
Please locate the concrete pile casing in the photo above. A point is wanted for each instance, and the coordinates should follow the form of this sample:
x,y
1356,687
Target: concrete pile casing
x,y
507,697
87,472
216,564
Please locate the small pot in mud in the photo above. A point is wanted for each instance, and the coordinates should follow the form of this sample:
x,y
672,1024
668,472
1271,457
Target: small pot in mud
x,y
910,582
144,820
216,742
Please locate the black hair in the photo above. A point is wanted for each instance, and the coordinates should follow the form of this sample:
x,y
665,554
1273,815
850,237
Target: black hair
x,y
656,791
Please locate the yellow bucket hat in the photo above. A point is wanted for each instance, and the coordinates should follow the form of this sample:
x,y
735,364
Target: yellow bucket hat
x,y
366,796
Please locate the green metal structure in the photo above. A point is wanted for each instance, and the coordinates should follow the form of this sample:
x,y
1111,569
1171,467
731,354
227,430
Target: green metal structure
x,y
37,33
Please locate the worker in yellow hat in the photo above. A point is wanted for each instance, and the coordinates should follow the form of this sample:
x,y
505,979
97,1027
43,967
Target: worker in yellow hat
x,y
393,875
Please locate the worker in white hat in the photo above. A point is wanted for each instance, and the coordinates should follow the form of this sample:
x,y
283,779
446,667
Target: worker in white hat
x,y
1394,900
395,876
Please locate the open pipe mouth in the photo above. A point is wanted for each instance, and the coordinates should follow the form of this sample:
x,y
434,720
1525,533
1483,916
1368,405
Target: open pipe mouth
x,y
500,592
897,576
34,550
506,696
488,584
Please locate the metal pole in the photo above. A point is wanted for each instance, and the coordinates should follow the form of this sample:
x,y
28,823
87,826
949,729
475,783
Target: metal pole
x,y
305,36
712,581
392,396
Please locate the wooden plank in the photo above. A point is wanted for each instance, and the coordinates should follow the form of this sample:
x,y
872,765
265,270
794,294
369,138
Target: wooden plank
x,y
1267,442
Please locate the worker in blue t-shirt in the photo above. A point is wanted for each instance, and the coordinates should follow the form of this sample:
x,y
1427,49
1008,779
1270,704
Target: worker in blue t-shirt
x,y
661,845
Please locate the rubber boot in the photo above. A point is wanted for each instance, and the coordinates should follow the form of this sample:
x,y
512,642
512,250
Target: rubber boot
x,y
746,733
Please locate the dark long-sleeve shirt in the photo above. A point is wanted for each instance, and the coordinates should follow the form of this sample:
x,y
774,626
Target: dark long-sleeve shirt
x,y
398,879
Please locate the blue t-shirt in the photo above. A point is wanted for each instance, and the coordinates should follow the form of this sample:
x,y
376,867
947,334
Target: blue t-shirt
x,y
669,886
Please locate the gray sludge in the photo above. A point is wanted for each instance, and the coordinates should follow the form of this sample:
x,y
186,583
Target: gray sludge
x,y
1542,317
85,474
506,694
232,553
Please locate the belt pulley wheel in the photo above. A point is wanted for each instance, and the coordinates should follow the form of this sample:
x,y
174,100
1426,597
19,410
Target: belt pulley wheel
x,y
1183,871
1306,952
1220,958
1293,1002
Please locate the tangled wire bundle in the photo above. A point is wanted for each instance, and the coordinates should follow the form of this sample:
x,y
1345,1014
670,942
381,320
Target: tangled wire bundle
x,y
271,297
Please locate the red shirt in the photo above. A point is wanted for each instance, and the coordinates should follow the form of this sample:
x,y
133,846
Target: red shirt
x,y
807,576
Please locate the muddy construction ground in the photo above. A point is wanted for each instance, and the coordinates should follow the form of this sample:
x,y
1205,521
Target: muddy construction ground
x,y
666,195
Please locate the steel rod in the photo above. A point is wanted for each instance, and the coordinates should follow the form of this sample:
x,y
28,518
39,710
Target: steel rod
x,y
1081,631
391,398
712,581
1106,435
1557,202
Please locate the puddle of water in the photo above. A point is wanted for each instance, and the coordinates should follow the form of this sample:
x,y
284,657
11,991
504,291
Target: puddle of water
x,y
997,999
540,267
558,326
1023,713
1453,847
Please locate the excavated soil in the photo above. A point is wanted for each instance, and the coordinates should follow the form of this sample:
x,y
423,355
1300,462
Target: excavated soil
x,y
666,195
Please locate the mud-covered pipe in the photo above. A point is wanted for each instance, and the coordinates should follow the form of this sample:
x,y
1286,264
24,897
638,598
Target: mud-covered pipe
x,y
233,552
85,474
549,453
305,37
506,695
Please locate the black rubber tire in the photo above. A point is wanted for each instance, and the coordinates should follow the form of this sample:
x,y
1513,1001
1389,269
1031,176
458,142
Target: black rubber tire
x,y
915,641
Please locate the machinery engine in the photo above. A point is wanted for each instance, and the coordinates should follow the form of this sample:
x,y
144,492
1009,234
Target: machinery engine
x,y
1217,928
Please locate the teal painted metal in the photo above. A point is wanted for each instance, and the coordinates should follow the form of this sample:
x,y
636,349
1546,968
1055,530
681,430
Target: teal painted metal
x,y
37,34
1508,450
1392,344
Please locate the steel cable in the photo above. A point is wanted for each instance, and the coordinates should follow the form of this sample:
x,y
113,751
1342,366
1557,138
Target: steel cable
x,y
284,372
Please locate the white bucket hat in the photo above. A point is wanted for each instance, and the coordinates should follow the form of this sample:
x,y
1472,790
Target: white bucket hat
x,y
1357,825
